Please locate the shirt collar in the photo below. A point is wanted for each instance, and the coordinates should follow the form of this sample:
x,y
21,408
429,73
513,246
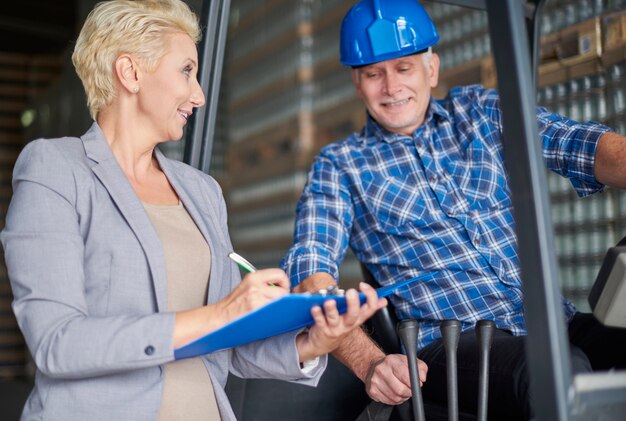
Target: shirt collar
x,y
373,130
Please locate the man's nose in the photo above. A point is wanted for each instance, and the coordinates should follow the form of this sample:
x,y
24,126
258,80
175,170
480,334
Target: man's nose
x,y
391,84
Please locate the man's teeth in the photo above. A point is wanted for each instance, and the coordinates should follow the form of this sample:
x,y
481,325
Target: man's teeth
x,y
397,103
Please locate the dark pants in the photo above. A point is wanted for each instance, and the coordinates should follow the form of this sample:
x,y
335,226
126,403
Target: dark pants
x,y
593,347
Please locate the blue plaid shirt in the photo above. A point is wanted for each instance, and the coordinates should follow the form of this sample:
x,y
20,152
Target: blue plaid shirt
x,y
438,201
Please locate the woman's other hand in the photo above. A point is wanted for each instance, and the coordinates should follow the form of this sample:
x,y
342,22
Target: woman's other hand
x,y
330,327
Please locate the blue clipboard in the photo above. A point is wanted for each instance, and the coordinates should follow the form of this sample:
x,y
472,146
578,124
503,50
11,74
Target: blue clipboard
x,y
285,314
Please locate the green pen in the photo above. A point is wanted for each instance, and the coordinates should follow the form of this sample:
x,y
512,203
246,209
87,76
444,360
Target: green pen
x,y
243,263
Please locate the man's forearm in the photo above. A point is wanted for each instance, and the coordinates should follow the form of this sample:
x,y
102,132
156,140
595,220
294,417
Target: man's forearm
x,y
610,160
358,352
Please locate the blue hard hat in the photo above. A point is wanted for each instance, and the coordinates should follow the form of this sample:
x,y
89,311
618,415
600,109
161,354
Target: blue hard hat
x,y
378,30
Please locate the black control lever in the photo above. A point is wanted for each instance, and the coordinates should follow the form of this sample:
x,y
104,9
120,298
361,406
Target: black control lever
x,y
407,330
484,336
451,331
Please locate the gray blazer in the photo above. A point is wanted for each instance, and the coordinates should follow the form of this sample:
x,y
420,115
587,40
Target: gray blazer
x,y
88,276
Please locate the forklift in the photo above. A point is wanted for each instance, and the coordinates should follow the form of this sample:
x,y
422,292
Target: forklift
x,y
514,30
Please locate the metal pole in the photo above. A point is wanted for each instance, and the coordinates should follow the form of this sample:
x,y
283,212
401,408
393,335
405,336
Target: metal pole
x,y
201,129
548,357
533,11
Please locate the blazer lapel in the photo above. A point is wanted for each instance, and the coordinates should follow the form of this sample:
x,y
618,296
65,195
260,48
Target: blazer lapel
x,y
108,171
189,194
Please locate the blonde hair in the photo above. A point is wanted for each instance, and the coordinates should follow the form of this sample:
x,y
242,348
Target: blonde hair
x,y
135,27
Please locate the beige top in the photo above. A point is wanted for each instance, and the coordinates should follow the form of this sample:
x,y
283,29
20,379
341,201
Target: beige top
x,y
187,390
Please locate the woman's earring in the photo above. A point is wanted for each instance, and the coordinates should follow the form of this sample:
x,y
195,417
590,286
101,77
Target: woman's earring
x,y
135,89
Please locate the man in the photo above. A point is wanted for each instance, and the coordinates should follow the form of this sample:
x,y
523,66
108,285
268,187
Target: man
x,y
423,189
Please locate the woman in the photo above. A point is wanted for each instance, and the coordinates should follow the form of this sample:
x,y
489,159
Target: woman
x,y
118,255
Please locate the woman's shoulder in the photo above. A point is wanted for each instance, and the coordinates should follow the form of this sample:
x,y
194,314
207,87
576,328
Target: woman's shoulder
x,y
52,162
51,153
50,144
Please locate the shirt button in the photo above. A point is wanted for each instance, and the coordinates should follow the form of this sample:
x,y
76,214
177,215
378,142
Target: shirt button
x,y
477,242
149,350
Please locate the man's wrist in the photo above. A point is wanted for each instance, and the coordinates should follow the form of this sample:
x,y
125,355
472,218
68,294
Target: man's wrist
x,y
357,352
315,282
370,371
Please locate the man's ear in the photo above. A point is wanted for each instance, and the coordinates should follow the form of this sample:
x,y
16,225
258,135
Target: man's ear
x,y
434,70
127,73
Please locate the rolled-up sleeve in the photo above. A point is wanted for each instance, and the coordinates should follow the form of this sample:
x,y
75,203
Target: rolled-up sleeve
x,y
569,148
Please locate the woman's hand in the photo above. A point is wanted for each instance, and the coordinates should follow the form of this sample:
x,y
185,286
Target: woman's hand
x,y
255,290
330,327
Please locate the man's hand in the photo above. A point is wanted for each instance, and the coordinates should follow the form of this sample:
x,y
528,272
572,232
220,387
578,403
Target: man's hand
x,y
331,328
388,379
